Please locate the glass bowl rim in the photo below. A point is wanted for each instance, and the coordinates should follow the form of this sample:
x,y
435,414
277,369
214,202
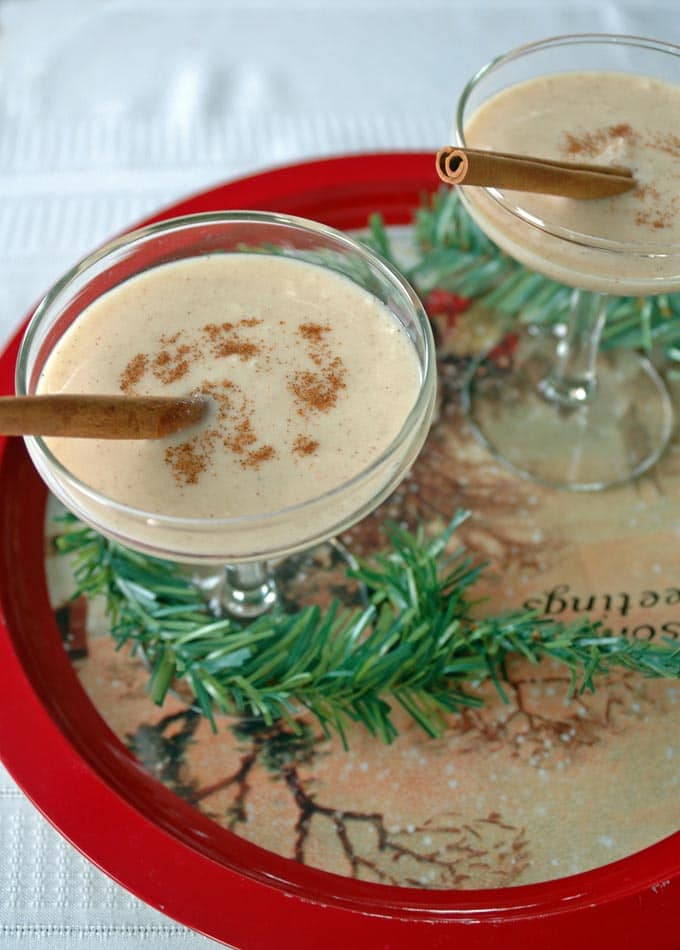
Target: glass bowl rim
x,y
420,408
590,242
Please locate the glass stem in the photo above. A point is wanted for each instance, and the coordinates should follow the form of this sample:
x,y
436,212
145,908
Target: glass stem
x,y
249,590
573,379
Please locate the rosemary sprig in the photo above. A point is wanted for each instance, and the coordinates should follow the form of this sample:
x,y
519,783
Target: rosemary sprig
x,y
455,255
417,645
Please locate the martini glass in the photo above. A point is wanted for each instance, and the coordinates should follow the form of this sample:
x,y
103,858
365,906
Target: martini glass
x,y
565,413
243,547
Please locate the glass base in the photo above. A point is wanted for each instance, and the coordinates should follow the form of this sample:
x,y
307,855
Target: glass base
x,y
617,433
315,576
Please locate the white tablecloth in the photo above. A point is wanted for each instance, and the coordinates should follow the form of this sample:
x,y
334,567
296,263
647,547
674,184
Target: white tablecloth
x,y
110,109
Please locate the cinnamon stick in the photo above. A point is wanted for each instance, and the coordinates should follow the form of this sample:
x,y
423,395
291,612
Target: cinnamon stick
x,y
469,166
99,417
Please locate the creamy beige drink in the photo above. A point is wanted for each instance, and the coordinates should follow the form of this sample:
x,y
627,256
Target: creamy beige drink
x,y
607,118
311,378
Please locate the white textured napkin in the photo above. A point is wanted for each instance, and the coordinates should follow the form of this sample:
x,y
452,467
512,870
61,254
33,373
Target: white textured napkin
x,y
110,110
52,898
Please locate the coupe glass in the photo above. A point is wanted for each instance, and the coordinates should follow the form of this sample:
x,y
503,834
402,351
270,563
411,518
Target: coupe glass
x,y
566,413
246,545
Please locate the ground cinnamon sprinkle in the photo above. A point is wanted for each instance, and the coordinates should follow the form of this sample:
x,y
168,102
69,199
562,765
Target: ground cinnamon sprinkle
x,y
314,332
668,143
590,143
215,330
318,391
235,425
188,460
233,428
304,445
654,214
622,130
227,342
653,219
314,336
254,459
168,366
133,373
242,437
236,348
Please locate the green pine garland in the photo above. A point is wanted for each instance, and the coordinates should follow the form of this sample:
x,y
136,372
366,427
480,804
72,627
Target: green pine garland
x,y
417,645
455,255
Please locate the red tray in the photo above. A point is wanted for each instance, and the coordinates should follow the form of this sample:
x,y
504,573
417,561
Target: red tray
x,y
87,784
